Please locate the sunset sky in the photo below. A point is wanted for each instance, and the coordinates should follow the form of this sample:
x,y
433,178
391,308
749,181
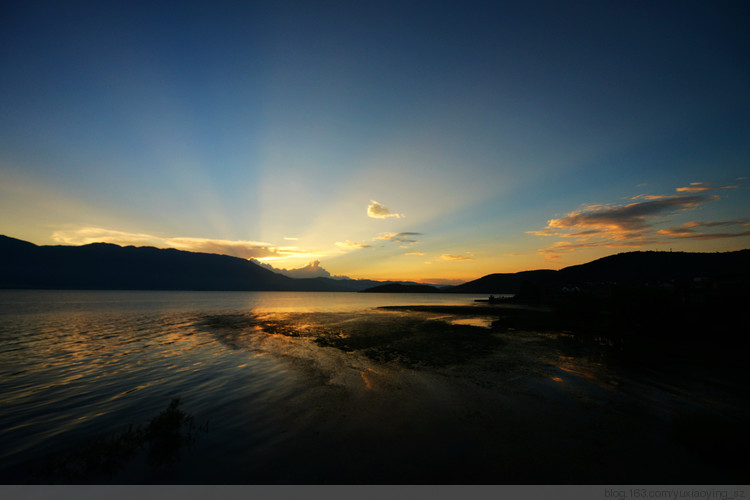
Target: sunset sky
x,y
425,141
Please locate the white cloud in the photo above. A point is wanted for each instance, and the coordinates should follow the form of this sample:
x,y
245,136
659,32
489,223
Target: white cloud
x,y
311,270
377,210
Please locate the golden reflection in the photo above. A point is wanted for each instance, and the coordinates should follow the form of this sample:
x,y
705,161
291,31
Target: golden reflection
x,y
129,391
557,379
481,322
591,371
372,379
579,370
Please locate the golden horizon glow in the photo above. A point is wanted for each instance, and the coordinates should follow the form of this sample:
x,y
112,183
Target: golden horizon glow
x,y
359,246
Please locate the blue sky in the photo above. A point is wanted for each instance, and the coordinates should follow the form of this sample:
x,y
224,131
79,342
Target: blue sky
x,y
499,136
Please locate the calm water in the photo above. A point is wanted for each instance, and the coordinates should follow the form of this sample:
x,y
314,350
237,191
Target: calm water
x,y
278,397
75,364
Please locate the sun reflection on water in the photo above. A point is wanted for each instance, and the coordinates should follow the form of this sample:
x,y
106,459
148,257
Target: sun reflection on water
x,y
278,384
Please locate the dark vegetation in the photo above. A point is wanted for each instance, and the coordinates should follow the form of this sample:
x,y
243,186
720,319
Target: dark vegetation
x,y
699,324
99,459
668,301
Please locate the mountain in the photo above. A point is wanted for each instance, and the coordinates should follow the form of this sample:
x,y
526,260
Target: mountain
x,y
624,268
401,288
644,267
111,267
104,266
505,282
107,266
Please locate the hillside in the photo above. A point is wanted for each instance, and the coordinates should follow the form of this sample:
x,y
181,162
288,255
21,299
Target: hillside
x,y
103,266
505,282
629,268
107,266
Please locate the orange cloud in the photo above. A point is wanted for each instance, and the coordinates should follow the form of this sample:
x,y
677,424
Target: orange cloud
x,y
688,230
468,256
716,223
630,217
700,187
633,224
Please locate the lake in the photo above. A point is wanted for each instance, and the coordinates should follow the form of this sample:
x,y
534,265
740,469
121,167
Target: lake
x,y
325,388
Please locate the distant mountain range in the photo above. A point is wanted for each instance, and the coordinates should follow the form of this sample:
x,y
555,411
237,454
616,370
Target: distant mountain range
x,y
402,288
104,266
111,267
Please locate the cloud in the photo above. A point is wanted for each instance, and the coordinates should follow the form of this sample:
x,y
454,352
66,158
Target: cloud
x,y
654,196
716,223
236,248
351,244
443,281
414,253
633,224
675,232
398,237
311,270
700,187
688,230
630,217
467,256
714,236
377,210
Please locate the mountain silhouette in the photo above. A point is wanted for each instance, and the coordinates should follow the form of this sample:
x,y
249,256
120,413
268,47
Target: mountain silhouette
x,y
630,268
505,282
401,288
104,266
107,266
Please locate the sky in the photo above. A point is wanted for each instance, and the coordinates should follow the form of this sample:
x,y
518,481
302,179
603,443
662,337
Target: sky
x,y
427,141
